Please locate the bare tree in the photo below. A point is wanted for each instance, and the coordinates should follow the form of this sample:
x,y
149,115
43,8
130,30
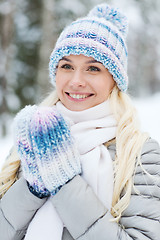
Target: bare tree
x,y
47,42
6,57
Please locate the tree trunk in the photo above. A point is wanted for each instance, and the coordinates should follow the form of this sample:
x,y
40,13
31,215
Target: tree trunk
x,y
6,40
47,42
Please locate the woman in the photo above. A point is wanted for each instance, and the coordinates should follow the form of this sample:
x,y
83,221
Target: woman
x,y
80,167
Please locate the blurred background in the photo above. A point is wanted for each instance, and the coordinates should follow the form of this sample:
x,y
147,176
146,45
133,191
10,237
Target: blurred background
x,y
28,32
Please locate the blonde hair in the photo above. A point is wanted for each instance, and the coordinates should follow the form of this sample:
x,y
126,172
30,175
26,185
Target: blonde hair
x,y
129,141
9,172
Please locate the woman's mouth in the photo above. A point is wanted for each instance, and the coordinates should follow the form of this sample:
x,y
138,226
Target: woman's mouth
x,y
79,96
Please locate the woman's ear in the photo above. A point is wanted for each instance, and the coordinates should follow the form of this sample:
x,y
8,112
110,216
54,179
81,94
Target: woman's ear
x,y
114,86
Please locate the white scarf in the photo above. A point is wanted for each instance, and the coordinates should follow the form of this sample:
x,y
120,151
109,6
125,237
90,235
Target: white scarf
x,y
91,128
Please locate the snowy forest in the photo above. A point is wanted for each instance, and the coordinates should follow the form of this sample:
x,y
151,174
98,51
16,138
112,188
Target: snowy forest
x,y
29,30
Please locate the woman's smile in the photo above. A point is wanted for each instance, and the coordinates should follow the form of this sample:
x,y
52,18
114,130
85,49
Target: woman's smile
x,y
79,96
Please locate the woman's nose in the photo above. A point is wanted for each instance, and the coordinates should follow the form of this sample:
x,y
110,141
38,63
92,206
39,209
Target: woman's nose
x,y
77,79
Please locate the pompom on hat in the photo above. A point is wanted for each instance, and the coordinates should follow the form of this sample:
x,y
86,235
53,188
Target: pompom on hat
x,y
101,35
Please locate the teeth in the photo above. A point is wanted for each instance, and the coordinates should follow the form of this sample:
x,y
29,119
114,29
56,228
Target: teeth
x,y
78,96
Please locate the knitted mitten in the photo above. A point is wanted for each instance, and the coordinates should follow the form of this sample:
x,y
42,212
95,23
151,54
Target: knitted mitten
x,y
47,150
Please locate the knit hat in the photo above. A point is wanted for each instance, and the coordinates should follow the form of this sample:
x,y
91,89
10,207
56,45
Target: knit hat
x,y
101,35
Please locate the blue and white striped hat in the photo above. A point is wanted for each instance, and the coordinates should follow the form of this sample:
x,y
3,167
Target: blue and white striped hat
x,y
101,35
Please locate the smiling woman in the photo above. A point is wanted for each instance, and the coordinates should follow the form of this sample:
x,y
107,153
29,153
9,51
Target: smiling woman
x,y
80,167
82,82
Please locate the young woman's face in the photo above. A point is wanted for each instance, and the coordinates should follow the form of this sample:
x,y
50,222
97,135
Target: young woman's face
x,y
82,82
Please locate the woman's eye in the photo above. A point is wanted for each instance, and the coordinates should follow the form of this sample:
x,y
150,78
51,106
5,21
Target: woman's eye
x,y
66,66
94,69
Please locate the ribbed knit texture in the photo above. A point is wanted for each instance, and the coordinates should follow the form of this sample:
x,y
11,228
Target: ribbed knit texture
x,y
101,35
47,150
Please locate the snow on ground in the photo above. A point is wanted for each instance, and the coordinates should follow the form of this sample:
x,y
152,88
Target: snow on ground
x,y
149,113
5,145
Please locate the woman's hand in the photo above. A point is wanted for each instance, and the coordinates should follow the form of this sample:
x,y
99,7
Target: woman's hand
x,y
47,150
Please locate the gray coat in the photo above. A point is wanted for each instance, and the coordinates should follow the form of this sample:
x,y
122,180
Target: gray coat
x,y
84,216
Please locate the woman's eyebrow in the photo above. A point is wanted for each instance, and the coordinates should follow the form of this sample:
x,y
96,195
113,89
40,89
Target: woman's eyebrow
x,y
66,59
93,61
